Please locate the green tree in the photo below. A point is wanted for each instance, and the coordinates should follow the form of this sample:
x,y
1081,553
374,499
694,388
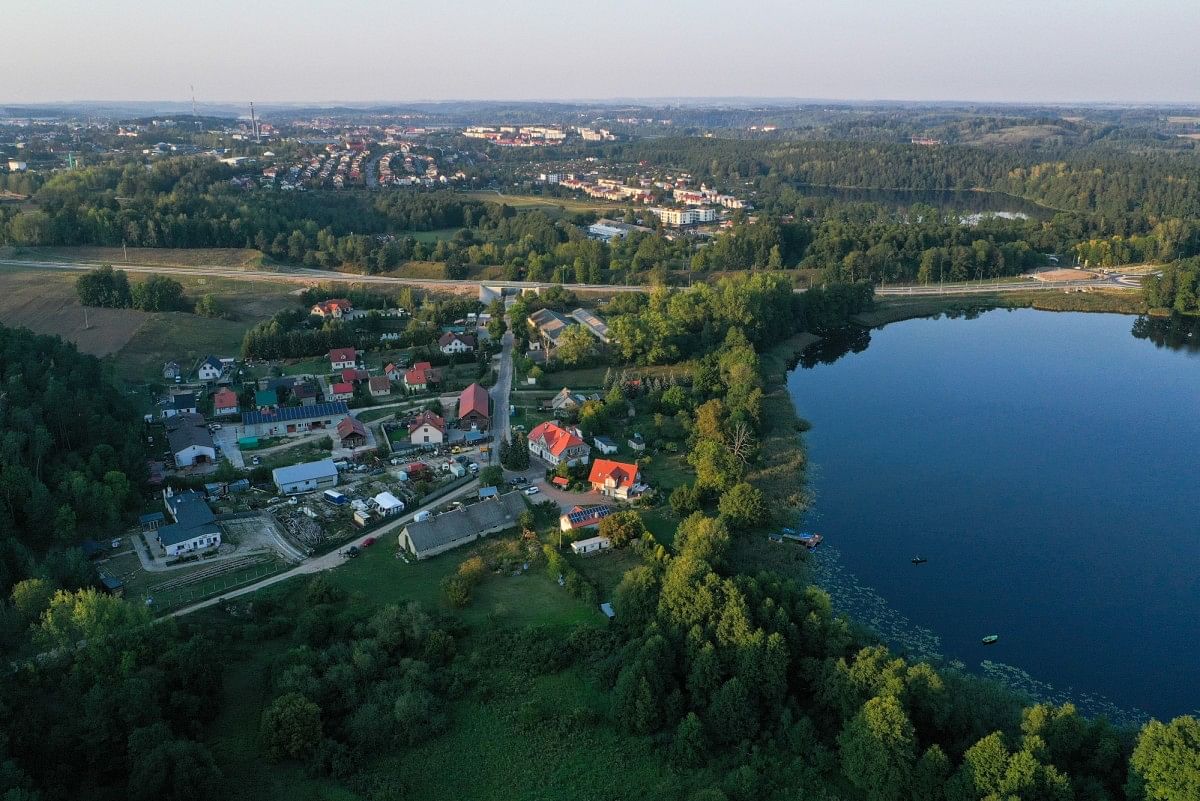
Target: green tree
x,y
732,716
622,527
291,727
878,750
491,476
743,507
687,745
636,597
1165,765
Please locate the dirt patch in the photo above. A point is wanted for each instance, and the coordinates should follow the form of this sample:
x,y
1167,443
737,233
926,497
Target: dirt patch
x,y
47,304
1064,275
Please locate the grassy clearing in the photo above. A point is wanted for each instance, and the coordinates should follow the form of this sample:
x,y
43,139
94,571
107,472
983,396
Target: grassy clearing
x,y
46,303
242,258
546,203
180,336
531,598
429,237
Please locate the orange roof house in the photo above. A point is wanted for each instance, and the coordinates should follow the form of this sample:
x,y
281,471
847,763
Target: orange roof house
x,y
616,479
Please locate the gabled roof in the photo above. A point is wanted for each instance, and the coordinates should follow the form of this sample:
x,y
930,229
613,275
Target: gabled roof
x,y
213,362
421,373
622,474
428,418
465,521
306,471
186,430
582,516
557,438
342,388
448,337
473,399
379,382
343,355
292,414
305,390
327,306
266,397
351,425
225,398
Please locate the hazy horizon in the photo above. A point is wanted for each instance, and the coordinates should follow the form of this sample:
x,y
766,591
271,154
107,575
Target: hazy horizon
x,y
317,52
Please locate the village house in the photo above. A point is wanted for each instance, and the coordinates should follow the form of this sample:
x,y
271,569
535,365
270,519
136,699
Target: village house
x,y
427,429
566,402
171,370
180,403
620,480
210,369
452,342
591,323
637,443
351,433
440,533
353,375
474,408
225,402
421,376
394,372
193,527
605,445
379,386
341,391
190,441
556,445
305,477
583,517
293,419
306,392
335,308
341,358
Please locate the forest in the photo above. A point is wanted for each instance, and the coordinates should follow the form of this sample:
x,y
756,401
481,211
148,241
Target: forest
x,y
1105,205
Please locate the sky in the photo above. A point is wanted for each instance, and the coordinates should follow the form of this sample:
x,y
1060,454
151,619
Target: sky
x,y
375,50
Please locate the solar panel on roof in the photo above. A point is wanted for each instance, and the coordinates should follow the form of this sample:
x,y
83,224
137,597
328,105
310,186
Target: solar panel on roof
x,y
296,413
590,513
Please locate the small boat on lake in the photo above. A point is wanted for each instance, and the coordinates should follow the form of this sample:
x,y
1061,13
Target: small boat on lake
x,y
990,639
919,560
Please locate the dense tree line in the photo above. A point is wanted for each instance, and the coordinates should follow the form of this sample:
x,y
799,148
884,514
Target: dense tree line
x,y
72,458
1177,287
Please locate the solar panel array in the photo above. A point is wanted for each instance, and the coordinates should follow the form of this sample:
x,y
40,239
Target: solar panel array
x,y
589,513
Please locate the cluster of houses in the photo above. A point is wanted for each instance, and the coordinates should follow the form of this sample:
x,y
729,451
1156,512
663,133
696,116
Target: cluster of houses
x,y
556,445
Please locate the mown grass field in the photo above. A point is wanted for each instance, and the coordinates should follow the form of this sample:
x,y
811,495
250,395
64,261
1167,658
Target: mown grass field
x,y
545,203
244,258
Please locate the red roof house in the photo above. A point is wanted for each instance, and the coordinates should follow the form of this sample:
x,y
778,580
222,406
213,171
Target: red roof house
x,y
556,445
379,386
351,432
421,376
616,479
341,391
351,375
341,358
225,401
334,307
473,407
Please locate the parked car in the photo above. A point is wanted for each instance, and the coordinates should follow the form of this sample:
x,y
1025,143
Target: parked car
x,y
531,490
368,542
256,460
420,517
116,543
352,552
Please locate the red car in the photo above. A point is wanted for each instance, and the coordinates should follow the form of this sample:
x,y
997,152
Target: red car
x,y
369,541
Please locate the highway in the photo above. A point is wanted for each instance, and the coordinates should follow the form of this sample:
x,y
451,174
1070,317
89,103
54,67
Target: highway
x,y
309,275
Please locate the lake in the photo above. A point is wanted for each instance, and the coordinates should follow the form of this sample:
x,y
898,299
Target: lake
x,y
1045,465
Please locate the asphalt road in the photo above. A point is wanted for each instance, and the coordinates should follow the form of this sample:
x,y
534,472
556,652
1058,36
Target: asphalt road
x,y
501,392
307,275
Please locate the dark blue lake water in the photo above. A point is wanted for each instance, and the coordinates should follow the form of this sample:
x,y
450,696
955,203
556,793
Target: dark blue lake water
x,y
1046,465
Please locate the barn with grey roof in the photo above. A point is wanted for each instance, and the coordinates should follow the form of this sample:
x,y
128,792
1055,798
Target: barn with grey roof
x,y
465,524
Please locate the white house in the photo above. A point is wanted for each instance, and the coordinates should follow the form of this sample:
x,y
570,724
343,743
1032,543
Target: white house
x,y
210,369
343,358
427,429
456,343
556,445
190,440
605,445
591,545
182,403
194,527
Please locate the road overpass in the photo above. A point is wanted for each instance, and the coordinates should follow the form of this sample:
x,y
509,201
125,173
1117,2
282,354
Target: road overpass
x,y
491,289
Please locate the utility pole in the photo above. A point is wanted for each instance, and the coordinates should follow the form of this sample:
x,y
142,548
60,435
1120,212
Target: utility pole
x,y
124,251
193,88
